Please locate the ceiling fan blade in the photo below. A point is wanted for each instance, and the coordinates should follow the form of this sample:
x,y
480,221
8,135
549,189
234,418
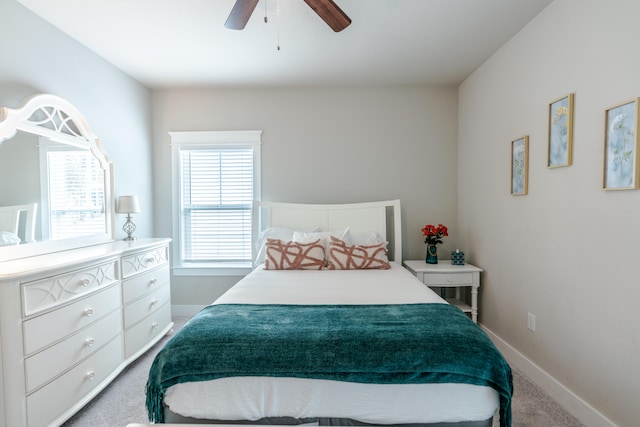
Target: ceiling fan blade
x,y
330,13
240,14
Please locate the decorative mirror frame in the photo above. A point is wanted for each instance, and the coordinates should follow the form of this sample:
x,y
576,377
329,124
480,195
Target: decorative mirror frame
x,y
55,118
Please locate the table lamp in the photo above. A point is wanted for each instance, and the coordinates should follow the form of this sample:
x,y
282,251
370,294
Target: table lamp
x,y
128,205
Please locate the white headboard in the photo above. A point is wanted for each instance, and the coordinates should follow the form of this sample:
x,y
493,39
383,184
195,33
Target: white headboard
x,y
10,220
382,217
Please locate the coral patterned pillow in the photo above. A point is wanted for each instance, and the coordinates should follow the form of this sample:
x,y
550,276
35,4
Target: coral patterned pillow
x,y
357,257
281,255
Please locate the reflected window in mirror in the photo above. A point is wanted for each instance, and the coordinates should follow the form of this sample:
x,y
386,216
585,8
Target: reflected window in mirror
x,y
73,191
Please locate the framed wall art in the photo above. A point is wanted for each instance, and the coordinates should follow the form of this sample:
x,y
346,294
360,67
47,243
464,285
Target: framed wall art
x,y
560,132
520,166
621,147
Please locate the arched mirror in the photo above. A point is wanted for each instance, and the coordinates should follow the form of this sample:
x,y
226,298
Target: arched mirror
x,y
56,188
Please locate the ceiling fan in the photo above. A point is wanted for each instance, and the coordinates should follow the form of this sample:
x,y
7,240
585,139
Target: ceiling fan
x,y
326,9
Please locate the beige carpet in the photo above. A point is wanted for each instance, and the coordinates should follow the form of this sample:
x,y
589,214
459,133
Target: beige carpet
x,y
123,401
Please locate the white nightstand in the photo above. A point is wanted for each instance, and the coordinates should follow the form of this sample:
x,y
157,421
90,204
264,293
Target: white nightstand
x,y
444,275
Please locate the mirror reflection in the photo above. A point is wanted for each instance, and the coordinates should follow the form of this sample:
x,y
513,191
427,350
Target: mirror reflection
x,y
52,190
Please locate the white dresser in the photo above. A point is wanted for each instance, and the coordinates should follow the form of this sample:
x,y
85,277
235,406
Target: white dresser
x,y
70,321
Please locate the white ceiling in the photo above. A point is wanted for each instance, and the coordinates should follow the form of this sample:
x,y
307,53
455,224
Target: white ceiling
x,y
184,42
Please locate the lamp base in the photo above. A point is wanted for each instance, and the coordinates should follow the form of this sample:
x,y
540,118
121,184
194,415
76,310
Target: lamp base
x,y
129,227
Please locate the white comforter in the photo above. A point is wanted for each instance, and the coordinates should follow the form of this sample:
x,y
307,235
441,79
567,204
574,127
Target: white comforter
x,y
253,398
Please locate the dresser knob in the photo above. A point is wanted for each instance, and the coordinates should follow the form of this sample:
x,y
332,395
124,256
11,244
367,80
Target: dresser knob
x,y
449,279
85,282
153,281
154,325
154,302
91,375
89,342
88,312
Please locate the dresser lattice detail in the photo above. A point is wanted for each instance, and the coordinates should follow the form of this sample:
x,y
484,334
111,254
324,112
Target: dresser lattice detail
x,y
42,294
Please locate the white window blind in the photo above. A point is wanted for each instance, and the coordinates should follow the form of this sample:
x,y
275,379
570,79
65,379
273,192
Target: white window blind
x,y
76,194
216,176
217,193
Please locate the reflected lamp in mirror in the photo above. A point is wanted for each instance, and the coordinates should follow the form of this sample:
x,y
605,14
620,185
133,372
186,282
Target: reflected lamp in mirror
x,y
128,205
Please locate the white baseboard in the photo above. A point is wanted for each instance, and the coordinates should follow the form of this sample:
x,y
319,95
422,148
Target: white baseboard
x,y
570,401
186,310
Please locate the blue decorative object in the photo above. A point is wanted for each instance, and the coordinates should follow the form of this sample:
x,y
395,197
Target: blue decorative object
x,y
457,257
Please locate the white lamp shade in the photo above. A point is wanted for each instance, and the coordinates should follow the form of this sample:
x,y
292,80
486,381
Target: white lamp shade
x,y
128,204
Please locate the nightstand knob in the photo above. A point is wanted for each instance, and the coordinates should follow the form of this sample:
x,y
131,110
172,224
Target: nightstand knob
x,y
449,279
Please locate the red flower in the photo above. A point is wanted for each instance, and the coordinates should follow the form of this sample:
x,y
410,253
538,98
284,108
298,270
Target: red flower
x,y
433,235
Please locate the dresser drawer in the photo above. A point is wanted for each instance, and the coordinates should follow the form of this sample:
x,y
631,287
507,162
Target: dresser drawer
x,y
144,283
47,364
51,401
46,293
447,279
48,328
139,309
143,261
147,330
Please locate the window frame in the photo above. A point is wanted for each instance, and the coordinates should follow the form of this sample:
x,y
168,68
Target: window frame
x,y
206,140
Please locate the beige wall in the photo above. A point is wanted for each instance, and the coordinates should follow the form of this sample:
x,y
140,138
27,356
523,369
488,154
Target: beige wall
x,y
325,145
568,251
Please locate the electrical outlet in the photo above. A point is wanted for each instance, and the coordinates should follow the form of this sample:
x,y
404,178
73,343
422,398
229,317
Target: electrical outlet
x,y
531,322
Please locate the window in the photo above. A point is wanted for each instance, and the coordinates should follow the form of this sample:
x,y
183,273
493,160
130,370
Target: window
x,y
72,191
216,177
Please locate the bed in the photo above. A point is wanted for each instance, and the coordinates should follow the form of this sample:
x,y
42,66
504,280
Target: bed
x,y
340,335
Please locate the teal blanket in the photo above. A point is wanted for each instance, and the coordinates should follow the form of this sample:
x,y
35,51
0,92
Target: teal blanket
x,y
388,344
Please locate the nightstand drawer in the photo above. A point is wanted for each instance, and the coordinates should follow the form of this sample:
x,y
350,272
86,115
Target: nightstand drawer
x,y
447,279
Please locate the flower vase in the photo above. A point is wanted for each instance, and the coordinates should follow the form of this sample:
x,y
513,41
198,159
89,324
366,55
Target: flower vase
x,y
432,254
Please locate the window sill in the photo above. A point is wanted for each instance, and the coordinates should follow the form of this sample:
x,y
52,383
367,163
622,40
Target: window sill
x,y
230,269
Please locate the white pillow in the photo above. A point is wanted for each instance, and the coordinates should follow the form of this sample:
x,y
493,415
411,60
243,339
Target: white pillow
x,y
310,236
364,238
8,238
323,236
